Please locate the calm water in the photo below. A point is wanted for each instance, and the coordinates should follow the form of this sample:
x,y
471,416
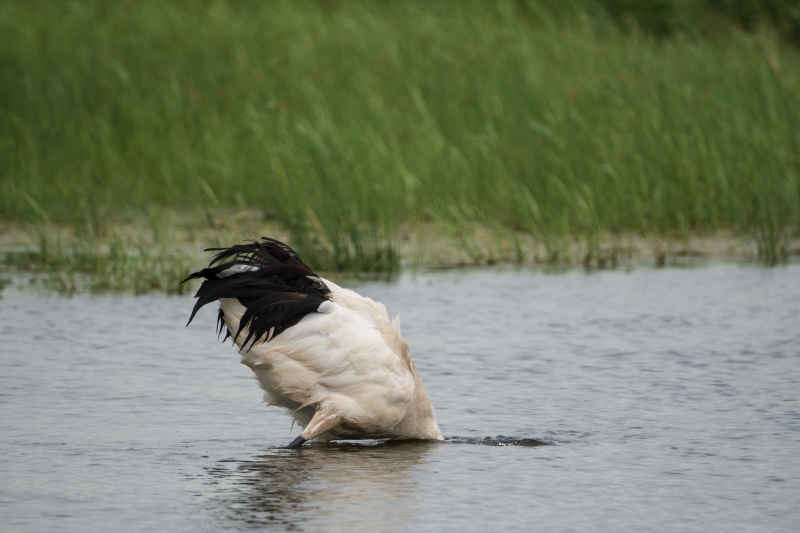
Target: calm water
x,y
671,397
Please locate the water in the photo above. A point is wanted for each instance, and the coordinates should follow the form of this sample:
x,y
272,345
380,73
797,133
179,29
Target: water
x,y
671,399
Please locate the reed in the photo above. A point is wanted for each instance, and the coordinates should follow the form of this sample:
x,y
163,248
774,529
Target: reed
x,y
348,123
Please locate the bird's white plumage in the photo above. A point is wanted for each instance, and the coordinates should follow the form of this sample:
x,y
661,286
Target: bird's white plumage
x,y
343,371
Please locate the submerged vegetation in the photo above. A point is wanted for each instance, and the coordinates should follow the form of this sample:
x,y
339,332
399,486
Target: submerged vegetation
x,y
354,129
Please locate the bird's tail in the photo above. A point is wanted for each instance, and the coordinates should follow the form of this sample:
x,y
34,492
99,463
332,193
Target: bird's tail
x,y
268,278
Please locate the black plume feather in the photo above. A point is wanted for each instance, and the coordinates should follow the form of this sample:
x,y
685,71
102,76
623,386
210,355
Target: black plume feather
x,y
277,290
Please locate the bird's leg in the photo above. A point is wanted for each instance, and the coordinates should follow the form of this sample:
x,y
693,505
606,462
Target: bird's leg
x,y
296,443
325,419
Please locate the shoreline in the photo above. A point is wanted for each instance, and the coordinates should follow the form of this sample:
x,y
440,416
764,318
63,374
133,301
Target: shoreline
x,y
140,258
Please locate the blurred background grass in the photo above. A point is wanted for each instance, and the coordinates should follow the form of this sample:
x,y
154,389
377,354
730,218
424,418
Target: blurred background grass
x,y
347,124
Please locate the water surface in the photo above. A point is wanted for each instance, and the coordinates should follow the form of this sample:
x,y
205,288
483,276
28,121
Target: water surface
x,y
671,399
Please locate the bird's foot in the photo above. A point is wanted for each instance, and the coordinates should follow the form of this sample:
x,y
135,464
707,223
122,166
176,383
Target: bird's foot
x,y
296,443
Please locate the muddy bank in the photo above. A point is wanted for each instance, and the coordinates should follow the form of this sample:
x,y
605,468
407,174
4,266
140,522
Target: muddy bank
x,y
144,256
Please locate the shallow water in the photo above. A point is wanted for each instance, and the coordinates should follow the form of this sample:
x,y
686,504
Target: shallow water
x,y
671,399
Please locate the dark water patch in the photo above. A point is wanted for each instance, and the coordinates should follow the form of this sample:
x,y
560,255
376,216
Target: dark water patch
x,y
499,440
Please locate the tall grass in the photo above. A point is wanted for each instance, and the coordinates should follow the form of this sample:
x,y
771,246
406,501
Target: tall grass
x,y
348,122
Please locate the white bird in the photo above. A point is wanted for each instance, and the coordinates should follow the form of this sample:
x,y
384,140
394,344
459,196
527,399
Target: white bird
x,y
332,357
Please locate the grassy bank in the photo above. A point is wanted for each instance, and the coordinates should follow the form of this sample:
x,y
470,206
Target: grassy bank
x,y
352,127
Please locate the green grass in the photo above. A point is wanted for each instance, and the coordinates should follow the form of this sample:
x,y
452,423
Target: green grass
x,y
91,266
348,124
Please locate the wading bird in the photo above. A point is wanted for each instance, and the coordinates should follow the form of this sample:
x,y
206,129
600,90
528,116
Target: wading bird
x,y
332,357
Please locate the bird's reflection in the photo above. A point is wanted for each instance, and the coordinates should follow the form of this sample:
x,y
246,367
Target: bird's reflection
x,y
334,483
